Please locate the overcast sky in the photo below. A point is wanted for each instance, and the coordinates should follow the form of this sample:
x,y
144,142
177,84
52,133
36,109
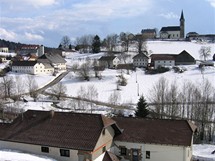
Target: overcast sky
x,y
47,21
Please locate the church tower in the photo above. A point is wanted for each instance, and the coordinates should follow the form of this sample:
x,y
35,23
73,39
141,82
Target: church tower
x,y
182,25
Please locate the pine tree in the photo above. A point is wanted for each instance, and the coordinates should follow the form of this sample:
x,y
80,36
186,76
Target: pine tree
x,y
142,110
96,44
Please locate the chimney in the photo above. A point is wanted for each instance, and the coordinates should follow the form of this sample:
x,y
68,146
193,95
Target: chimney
x,y
51,113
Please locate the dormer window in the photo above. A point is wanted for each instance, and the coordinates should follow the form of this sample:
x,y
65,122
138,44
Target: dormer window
x,y
103,132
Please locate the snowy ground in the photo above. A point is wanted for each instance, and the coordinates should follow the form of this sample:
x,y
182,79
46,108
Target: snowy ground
x,y
203,152
8,155
200,151
138,84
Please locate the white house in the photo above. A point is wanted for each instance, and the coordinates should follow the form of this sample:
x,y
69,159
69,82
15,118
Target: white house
x,y
68,136
32,67
162,60
153,140
65,136
4,49
109,61
57,61
141,60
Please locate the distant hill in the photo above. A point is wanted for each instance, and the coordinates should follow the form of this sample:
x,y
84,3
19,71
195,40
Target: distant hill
x,y
16,46
10,45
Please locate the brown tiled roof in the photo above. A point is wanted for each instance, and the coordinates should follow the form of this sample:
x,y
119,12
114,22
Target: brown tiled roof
x,y
107,58
65,129
169,132
110,157
155,57
140,55
24,63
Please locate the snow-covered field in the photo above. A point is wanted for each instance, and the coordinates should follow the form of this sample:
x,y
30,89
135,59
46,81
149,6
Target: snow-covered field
x,y
203,152
9,155
138,83
200,151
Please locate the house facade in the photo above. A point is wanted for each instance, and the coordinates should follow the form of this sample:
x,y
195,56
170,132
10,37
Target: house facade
x,y
170,60
162,60
184,58
109,61
57,61
141,60
4,49
68,136
163,140
32,67
149,33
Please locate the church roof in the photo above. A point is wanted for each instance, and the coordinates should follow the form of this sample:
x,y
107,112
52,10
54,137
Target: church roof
x,y
170,28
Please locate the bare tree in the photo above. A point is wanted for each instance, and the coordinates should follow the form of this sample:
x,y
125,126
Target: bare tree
x,y
172,98
158,96
126,40
140,43
205,52
111,42
92,95
7,86
32,86
84,71
65,42
98,69
58,90
84,43
114,98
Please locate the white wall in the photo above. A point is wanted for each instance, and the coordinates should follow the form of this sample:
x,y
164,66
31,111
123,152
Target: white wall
x,y
36,149
168,153
157,152
105,140
164,63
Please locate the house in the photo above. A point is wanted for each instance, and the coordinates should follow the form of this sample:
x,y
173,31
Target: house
x,y
37,50
162,60
149,33
65,136
4,49
57,61
170,60
68,136
174,32
3,59
109,61
192,36
153,139
141,60
32,67
184,58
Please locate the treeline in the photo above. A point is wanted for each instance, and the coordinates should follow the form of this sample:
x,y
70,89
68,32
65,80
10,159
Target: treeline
x,y
189,101
93,43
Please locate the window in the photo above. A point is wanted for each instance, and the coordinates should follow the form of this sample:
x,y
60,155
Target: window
x,y
45,149
147,154
64,153
103,132
123,151
104,149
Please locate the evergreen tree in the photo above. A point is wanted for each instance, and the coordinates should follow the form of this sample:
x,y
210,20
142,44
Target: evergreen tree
x,y
142,110
96,44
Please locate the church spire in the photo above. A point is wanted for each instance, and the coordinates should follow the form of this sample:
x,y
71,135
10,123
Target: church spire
x,y
182,15
182,25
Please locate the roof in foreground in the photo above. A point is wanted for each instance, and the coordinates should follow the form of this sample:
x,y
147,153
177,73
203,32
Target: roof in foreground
x,y
155,131
58,129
